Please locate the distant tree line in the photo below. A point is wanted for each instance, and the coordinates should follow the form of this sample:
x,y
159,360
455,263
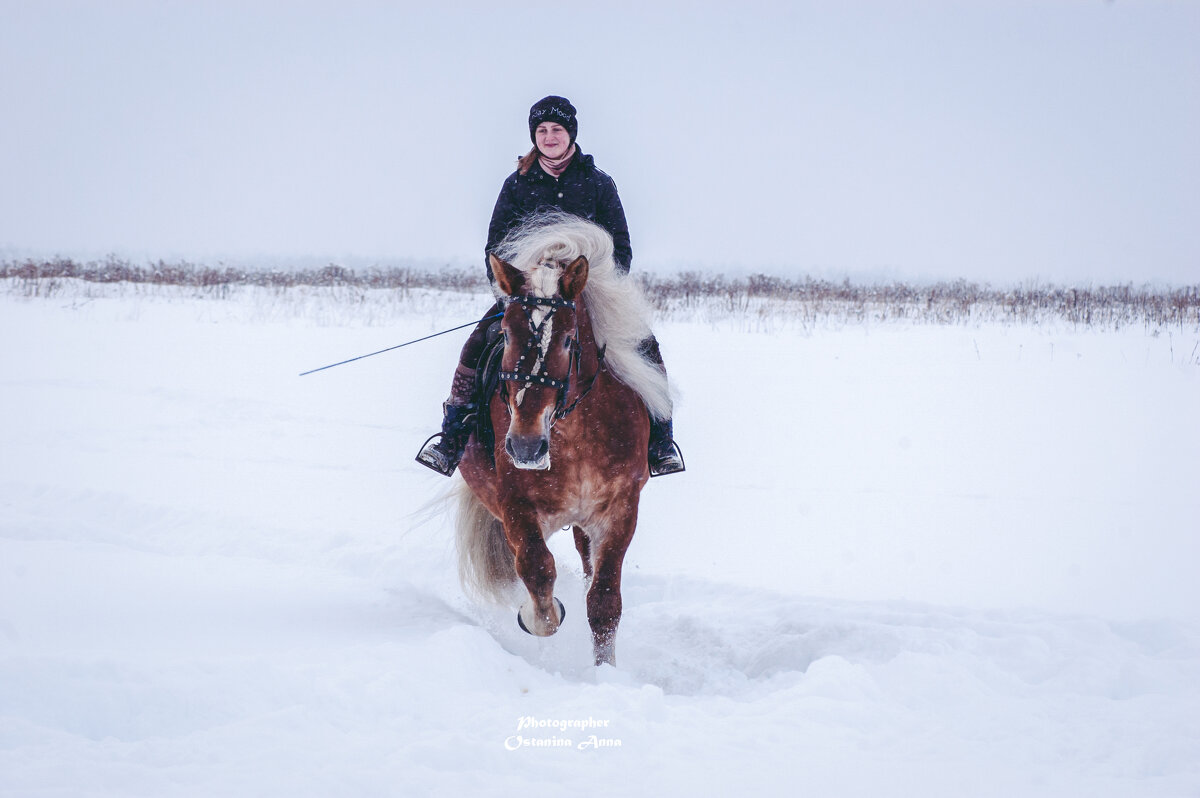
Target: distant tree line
x,y
681,295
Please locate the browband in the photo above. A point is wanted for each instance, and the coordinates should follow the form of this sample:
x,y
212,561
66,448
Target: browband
x,y
547,301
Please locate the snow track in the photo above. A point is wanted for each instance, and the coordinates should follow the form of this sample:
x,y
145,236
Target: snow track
x,y
958,564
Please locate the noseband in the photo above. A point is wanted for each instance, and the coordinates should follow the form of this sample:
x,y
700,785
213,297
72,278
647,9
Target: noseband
x,y
542,378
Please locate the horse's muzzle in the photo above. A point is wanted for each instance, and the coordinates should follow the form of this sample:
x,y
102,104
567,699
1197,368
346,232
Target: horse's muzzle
x,y
528,451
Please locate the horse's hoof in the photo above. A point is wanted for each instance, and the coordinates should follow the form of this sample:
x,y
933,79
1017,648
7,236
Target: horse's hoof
x,y
526,607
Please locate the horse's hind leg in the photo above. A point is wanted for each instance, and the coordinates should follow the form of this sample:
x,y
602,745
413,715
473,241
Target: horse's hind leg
x,y
584,547
604,596
535,565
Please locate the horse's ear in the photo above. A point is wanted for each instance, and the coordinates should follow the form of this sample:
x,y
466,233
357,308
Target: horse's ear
x,y
574,278
509,280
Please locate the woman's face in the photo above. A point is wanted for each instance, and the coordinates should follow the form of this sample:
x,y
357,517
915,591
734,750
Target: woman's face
x,y
552,140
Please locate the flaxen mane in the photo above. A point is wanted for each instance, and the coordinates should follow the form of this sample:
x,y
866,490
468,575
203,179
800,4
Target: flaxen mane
x,y
618,309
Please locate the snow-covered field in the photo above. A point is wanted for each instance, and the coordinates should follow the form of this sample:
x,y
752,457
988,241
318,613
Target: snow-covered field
x,y
905,560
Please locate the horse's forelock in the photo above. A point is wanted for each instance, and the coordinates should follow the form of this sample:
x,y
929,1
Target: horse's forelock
x,y
543,278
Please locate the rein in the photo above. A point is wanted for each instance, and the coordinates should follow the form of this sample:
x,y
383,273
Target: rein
x,y
564,412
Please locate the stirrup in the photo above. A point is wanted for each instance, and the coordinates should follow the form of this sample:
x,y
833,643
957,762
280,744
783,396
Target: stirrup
x,y
443,456
669,463
431,456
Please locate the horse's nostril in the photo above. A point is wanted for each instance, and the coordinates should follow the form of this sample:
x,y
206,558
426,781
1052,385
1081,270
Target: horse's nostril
x,y
527,449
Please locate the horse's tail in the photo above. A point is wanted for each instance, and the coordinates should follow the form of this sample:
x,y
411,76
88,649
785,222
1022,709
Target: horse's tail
x,y
485,562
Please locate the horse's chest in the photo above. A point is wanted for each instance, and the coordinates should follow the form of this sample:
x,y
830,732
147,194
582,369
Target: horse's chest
x,y
593,496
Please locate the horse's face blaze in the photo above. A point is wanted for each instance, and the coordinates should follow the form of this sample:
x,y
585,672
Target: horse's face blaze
x,y
531,407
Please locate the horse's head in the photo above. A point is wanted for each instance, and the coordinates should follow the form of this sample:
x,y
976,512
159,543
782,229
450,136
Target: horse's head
x,y
540,347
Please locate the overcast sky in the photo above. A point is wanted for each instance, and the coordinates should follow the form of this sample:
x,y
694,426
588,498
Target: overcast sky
x,y
995,141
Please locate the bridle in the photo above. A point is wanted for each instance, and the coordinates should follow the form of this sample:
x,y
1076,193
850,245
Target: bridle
x,y
542,378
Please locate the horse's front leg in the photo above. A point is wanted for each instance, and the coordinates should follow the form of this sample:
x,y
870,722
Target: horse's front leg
x,y
542,614
604,596
584,547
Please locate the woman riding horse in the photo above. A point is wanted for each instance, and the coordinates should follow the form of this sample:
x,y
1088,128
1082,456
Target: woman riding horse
x,y
552,175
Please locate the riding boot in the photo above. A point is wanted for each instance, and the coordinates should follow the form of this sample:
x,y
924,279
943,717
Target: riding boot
x,y
665,457
443,450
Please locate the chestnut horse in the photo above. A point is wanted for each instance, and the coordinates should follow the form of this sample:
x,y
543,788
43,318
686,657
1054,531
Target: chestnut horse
x,y
571,427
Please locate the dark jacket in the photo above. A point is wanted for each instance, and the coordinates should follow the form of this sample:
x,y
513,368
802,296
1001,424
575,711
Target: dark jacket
x,y
582,190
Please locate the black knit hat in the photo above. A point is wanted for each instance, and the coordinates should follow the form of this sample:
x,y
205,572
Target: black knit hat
x,y
553,109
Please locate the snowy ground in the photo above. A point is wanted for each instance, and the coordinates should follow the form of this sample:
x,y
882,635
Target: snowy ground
x,y
905,560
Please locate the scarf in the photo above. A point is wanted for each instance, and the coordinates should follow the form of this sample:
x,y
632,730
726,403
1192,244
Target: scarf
x,y
556,167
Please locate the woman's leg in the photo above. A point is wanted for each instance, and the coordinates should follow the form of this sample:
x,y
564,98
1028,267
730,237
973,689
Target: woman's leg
x,y
462,387
664,454
443,454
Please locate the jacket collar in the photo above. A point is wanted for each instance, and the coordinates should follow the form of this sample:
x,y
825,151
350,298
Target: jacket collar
x,y
581,161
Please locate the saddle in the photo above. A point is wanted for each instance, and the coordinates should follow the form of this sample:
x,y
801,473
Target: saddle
x,y
487,380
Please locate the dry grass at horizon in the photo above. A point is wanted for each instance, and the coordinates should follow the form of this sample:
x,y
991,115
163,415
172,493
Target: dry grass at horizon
x,y
682,295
